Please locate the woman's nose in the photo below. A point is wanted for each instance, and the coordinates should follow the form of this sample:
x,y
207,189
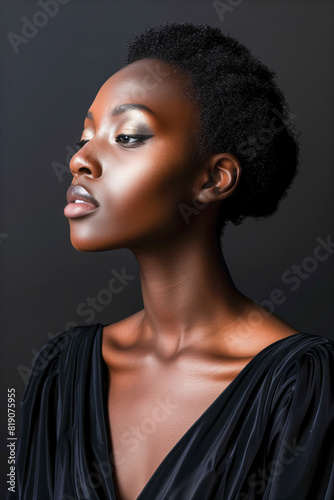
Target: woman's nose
x,y
83,162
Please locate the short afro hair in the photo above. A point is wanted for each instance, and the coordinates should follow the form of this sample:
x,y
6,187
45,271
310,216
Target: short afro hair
x,y
242,111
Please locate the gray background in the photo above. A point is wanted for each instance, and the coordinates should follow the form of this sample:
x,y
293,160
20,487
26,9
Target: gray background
x,y
46,89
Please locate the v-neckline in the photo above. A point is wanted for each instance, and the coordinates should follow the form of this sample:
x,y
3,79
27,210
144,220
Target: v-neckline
x,y
192,427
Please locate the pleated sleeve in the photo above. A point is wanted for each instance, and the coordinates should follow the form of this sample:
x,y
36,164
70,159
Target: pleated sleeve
x,y
300,458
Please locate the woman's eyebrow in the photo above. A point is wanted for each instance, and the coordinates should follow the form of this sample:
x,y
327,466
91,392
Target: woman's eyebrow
x,y
121,108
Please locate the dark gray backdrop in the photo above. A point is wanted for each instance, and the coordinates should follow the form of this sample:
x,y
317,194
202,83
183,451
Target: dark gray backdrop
x,y
48,84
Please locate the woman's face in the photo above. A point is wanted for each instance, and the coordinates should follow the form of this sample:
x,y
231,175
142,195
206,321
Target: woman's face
x,y
137,162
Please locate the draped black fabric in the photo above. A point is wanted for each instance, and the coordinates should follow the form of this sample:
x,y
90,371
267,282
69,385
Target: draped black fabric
x,y
268,435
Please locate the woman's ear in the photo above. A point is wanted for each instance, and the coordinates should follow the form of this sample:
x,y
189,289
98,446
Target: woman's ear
x,y
219,179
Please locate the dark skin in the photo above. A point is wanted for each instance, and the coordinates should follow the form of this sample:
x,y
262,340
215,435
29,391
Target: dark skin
x,y
186,346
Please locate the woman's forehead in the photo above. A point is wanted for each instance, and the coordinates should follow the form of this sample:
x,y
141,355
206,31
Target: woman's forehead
x,y
151,83
147,80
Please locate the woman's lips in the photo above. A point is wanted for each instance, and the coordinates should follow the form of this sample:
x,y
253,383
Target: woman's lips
x,y
80,202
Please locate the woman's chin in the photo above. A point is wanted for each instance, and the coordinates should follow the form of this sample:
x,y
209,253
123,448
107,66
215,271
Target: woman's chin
x,y
93,244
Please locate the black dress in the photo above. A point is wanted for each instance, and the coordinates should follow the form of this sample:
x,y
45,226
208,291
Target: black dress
x,y
268,435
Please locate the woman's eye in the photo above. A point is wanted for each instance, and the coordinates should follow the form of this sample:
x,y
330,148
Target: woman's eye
x,y
131,140
123,139
82,143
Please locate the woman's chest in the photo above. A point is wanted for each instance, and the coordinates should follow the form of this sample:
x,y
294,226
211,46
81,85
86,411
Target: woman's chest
x,y
148,418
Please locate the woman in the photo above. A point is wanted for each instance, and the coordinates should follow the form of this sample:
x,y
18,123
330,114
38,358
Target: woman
x,y
185,399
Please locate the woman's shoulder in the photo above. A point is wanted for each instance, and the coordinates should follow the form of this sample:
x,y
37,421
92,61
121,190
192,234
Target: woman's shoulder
x,y
61,363
302,369
301,343
64,348
298,353
300,418
302,346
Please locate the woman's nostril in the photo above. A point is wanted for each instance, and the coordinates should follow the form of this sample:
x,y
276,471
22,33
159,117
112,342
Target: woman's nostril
x,y
85,170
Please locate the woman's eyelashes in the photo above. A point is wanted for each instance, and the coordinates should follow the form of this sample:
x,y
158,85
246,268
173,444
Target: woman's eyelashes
x,y
130,140
125,140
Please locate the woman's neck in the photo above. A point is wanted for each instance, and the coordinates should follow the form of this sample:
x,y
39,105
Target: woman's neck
x,y
188,293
